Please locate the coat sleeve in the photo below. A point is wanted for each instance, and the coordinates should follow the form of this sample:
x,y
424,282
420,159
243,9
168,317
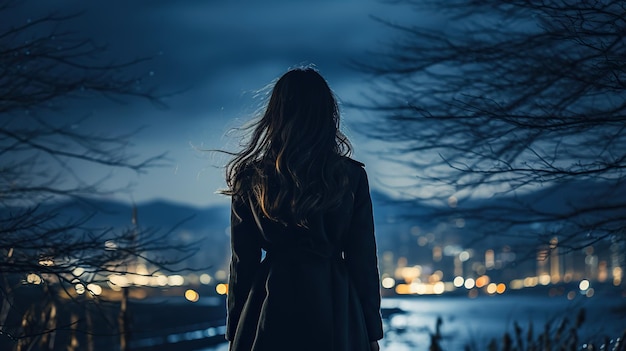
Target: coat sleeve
x,y
245,261
361,258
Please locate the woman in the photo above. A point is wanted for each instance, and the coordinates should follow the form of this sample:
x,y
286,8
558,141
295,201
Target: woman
x,y
297,197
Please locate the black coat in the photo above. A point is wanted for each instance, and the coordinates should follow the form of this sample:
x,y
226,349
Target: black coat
x,y
315,289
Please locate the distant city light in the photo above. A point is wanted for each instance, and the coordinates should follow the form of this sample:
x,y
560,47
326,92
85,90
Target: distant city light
x,y
160,280
438,274
410,273
46,262
482,281
95,289
420,289
110,245
452,250
583,285
617,276
33,278
439,288
119,281
78,271
175,280
517,284
403,289
437,253
221,275
544,279
400,274
388,282
205,279
192,279
530,282
140,280
489,259
192,295
221,289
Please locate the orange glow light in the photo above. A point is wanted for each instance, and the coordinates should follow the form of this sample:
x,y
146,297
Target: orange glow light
x,y
481,281
222,289
192,295
403,289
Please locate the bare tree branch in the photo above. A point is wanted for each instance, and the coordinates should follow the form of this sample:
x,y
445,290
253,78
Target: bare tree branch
x,y
514,97
48,250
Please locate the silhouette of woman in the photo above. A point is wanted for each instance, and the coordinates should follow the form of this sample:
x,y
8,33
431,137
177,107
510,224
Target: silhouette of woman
x,y
298,197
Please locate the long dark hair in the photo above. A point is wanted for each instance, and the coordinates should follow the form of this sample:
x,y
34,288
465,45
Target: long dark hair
x,y
292,164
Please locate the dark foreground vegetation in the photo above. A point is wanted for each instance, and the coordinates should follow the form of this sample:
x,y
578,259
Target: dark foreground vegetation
x,y
94,324
560,335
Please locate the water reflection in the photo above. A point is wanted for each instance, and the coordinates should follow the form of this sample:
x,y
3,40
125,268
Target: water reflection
x,y
220,347
476,321
412,320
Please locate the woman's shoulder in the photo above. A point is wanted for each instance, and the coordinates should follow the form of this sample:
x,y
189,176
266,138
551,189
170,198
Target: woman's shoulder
x,y
353,164
355,170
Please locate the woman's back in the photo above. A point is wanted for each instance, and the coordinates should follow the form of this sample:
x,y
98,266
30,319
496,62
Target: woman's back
x,y
317,288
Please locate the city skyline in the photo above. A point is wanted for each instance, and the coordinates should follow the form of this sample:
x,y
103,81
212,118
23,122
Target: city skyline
x,y
414,258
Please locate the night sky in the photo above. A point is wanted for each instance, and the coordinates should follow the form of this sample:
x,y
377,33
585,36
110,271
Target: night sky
x,y
216,55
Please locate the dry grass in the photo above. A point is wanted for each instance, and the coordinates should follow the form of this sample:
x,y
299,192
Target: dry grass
x,y
563,336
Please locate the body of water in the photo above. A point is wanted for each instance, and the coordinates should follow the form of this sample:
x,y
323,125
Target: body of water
x,y
476,321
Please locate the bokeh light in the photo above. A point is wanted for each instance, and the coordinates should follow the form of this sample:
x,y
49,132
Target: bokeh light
x,y
205,279
33,278
584,285
388,282
119,281
175,280
221,288
192,295
439,288
482,281
95,289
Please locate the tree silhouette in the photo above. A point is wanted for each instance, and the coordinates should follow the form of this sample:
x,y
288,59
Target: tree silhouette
x,y
514,111
53,263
